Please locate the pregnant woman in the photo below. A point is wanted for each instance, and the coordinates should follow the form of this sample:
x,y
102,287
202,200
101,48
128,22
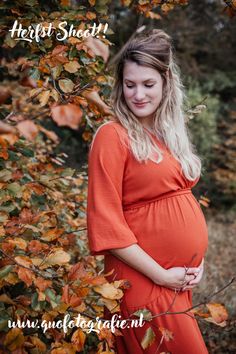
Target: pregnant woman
x,y
141,213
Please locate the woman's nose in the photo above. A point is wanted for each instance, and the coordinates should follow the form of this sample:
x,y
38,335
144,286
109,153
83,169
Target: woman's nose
x,y
139,94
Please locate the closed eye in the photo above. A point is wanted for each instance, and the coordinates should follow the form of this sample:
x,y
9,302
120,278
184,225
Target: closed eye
x,y
146,85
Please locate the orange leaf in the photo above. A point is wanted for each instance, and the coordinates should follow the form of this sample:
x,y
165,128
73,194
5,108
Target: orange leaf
x,y
14,339
98,47
76,272
4,154
78,339
59,49
52,234
28,129
65,294
93,97
42,284
36,246
67,115
75,300
26,275
38,344
218,312
37,188
19,242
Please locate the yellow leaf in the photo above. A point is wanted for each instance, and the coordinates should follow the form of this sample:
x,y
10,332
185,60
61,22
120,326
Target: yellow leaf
x,y
109,291
58,257
66,85
44,97
72,66
23,260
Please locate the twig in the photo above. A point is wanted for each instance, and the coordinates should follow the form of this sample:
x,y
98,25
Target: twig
x,y
33,269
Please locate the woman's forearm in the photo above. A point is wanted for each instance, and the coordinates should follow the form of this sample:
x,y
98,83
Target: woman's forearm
x,y
138,259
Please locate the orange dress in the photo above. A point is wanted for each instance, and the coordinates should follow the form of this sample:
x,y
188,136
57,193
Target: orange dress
x,y
150,205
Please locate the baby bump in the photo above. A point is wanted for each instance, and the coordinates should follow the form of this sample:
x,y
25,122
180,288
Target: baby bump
x,y
172,230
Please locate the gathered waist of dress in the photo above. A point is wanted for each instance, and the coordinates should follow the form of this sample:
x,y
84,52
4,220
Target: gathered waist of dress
x,y
139,204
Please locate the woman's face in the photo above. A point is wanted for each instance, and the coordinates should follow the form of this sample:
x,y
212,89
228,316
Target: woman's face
x,y
142,88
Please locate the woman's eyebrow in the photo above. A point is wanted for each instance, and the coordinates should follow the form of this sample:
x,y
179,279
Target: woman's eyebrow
x,y
143,81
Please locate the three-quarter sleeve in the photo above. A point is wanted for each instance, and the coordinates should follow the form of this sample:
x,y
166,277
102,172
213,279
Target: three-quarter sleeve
x,y
106,224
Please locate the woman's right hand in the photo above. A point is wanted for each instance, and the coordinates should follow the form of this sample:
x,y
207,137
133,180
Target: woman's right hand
x,y
177,277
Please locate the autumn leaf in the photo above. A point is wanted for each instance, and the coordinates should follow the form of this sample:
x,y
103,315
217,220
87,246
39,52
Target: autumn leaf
x,y
42,283
28,129
72,66
148,339
168,335
93,97
57,257
67,115
19,242
218,312
98,47
52,234
14,339
76,272
109,291
26,275
66,85
78,340
24,261
147,315
44,97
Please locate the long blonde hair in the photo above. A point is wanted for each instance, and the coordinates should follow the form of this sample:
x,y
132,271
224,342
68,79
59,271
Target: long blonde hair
x,y
154,49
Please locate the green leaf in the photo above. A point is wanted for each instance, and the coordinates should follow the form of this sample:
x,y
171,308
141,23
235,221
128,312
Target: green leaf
x,y
35,74
15,189
68,172
5,270
27,152
147,315
148,338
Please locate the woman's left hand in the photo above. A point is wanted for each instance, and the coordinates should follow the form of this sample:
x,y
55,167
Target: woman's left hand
x,y
192,283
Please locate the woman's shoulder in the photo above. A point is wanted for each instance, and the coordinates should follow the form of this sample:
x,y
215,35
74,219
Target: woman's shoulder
x,y
110,127
110,134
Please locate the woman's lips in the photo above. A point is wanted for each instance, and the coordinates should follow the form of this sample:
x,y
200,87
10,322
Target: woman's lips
x,y
140,105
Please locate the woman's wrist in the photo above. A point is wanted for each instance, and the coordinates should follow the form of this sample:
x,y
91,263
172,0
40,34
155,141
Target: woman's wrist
x,y
161,277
